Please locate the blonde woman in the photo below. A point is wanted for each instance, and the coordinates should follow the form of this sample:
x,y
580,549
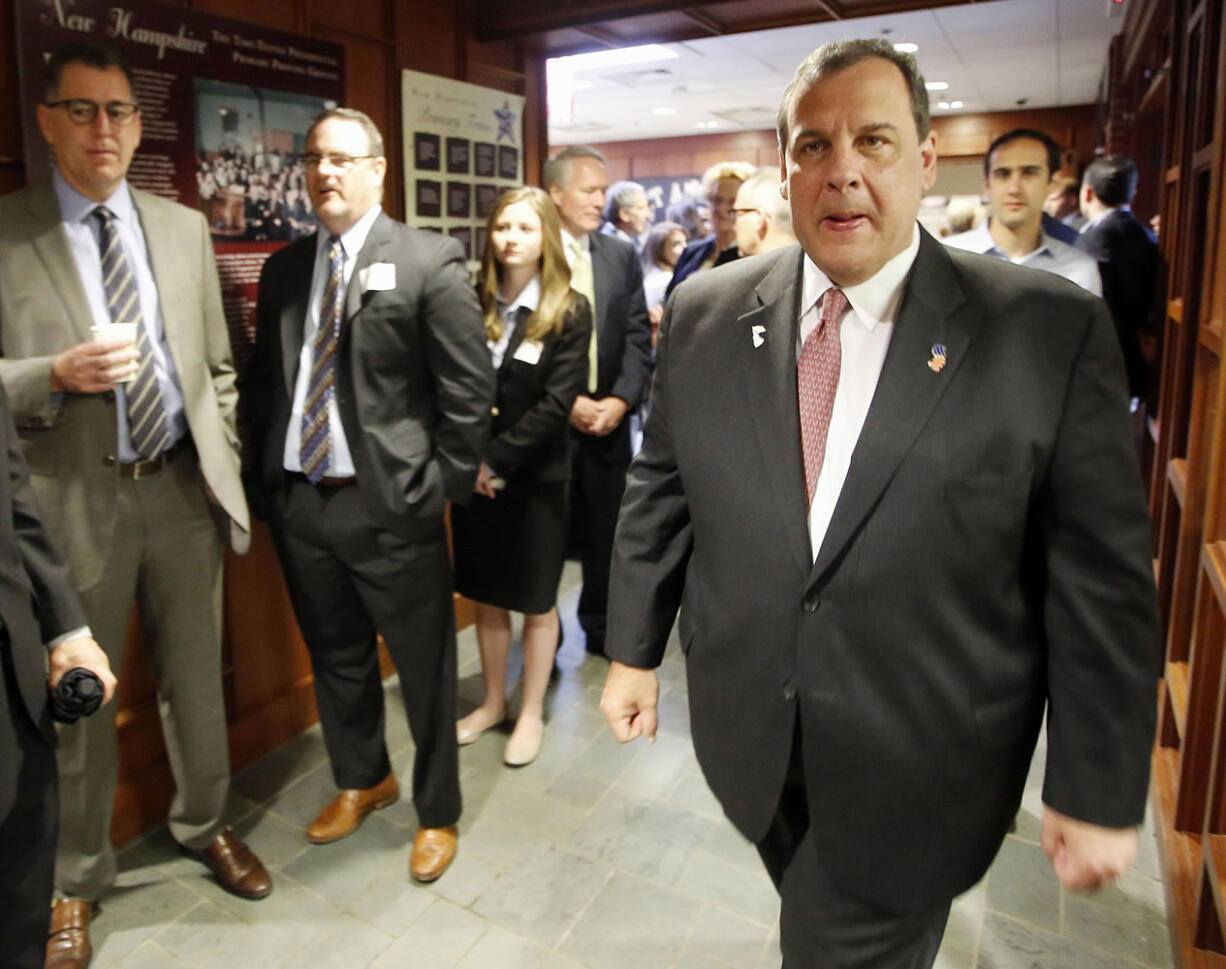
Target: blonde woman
x,y
509,542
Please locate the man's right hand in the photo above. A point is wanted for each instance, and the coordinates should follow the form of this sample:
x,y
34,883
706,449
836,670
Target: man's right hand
x,y
93,367
629,702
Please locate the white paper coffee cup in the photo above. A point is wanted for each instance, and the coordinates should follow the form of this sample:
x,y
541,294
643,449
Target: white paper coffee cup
x,y
117,333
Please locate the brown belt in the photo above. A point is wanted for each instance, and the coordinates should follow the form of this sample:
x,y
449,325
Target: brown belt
x,y
142,469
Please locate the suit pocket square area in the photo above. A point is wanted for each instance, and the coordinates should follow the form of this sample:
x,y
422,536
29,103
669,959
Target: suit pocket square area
x,y
378,276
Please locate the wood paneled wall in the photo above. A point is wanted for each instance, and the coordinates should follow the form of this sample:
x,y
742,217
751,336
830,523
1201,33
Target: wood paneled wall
x,y
266,671
958,136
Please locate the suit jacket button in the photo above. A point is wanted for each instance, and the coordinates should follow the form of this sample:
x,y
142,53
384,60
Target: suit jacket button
x,y
109,460
494,411
789,691
811,603
109,396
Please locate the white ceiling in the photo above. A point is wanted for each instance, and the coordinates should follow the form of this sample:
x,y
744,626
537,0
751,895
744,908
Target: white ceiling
x,y
993,55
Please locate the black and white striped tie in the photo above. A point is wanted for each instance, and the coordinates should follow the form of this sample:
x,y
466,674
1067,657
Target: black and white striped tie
x,y
147,425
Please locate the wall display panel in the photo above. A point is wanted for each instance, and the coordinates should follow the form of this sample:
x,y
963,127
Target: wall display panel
x,y
225,107
463,148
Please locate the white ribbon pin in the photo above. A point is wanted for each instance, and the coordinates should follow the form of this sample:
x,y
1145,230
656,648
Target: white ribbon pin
x,y
759,335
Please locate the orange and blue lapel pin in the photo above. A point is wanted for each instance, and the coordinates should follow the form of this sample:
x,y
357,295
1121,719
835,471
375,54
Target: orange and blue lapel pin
x,y
939,355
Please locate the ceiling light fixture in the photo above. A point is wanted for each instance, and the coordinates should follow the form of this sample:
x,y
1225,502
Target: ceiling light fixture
x,y
663,112
937,85
906,47
955,104
943,105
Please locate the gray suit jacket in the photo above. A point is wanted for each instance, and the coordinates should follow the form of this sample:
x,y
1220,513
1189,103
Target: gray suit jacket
x,y
70,442
989,557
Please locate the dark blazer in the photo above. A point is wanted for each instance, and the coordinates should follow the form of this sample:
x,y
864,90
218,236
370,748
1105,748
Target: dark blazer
x,y
533,401
37,600
623,335
694,255
1059,230
414,383
1128,262
989,557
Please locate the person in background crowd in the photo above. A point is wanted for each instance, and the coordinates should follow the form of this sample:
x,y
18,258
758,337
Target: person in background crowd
x,y
665,242
606,270
135,462
1127,256
509,542
721,183
763,216
627,213
1017,175
369,393
1062,202
693,215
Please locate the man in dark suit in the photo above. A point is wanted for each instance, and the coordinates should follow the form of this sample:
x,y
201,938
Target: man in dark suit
x,y
370,390
606,270
1127,256
866,691
37,606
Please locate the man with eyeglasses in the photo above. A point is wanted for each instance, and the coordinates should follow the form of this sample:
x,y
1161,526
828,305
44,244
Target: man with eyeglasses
x,y
134,459
370,390
763,216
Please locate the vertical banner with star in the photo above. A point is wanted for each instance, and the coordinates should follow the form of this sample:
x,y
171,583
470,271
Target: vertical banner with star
x,y
463,147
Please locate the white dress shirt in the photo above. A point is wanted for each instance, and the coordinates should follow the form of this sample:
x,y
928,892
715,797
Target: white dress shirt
x,y
864,332
529,298
340,460
1052,255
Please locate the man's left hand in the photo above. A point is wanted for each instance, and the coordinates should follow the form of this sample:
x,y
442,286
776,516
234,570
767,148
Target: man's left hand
x,y
1086,856
85,652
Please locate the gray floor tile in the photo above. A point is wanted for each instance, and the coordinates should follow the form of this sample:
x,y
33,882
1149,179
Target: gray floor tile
x,y
345,943
393,902
347,869
724,940
732,889
542,894
663,921
500,949
149,955
648,838
440,937
1009,944
1022,885
134,914
1128,919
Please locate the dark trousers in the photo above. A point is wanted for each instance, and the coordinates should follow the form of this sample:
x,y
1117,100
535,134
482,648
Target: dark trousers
x,y
348,579
598,480
28,822
821,927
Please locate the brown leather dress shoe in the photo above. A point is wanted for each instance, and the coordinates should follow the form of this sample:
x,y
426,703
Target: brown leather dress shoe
x,y
343,816
433,850
68,941
236,867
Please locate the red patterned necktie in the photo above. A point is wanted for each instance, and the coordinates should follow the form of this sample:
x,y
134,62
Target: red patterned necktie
x,y
817,378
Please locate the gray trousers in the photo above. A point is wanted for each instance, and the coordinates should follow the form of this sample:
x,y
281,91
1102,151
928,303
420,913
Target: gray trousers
x,y
166,554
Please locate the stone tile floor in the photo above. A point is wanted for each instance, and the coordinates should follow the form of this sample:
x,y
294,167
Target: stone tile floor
x,y
596,856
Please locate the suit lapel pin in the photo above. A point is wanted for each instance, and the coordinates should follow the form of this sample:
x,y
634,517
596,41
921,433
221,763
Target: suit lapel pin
x,y
938,358
759,335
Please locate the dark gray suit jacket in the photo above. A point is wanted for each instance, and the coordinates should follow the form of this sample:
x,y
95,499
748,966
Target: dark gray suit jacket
x,y
414,383
989,557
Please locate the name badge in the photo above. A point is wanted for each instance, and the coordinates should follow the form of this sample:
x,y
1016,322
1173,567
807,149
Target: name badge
x,y
378,276
529,351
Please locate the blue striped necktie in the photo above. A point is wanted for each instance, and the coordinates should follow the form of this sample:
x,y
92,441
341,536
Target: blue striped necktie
x,y
147,425
316,446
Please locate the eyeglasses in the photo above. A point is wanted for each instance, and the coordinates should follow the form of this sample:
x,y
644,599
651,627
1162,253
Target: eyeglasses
x,y
338,163
737,213
84,111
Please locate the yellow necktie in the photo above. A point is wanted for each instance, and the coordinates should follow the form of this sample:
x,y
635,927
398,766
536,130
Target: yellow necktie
x,y
582,282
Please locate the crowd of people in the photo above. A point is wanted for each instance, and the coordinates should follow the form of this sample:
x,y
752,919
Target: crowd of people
x,y
887,484
257,197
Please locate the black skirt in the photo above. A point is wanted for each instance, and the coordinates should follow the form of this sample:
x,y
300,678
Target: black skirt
x,y
509,549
